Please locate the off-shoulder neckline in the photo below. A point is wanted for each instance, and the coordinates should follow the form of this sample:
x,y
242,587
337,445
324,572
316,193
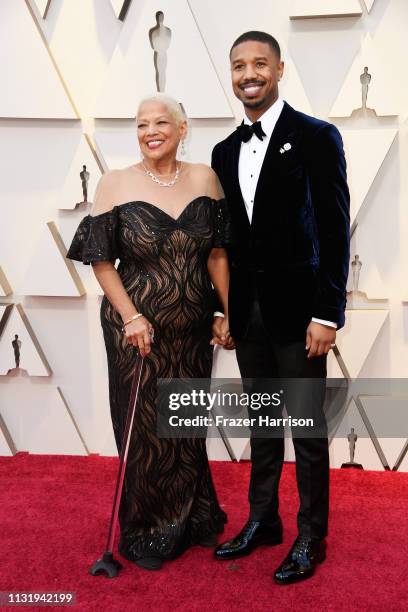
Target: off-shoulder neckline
x,y
175,219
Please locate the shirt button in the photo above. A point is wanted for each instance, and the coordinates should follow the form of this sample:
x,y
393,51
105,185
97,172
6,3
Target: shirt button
x,y
254,151
252,175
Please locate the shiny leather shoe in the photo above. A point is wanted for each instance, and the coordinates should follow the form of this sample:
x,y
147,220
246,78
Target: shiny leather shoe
x,y
253,534
301,561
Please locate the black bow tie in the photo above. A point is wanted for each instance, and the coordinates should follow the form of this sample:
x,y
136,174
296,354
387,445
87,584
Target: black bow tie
x,y
246,131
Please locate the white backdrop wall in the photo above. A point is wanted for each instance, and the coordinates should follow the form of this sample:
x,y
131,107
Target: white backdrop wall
x,y
70,86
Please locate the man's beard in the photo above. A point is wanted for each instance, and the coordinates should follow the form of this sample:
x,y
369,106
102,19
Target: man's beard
x,y
257,104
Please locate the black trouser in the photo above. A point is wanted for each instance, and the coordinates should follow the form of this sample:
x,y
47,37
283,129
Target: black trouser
x,y
259,357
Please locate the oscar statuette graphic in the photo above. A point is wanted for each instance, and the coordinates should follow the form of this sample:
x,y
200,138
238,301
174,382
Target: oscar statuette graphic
x,y
352,439
16,343
160,38
357,299
364,110
365,80
16,370
84,175
356,265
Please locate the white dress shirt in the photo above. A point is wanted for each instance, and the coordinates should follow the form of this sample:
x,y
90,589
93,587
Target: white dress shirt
x,y
251,157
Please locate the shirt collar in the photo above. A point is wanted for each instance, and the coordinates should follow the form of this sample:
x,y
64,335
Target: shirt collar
x,y
269,117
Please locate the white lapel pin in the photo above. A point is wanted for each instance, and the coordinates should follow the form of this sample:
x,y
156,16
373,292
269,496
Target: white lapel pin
x,y
286,147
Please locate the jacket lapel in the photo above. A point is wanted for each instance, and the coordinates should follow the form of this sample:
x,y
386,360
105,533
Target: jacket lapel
x,y
238,200
283,132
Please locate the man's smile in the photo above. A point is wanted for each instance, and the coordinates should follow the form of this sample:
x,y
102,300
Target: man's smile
x,y
252,89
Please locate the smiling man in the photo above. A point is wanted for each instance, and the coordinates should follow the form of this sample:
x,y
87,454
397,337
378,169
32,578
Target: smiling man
x,y
284,177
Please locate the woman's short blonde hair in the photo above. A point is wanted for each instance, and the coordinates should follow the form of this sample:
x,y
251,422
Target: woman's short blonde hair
x,y
174,107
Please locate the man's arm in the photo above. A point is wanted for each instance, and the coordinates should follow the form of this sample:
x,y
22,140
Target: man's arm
x,y
331,203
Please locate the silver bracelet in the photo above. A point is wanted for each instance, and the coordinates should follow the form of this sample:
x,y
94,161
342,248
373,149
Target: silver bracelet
x,y
136,316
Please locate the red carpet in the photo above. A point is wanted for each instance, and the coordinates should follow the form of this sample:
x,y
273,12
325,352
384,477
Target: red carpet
x,y
54,514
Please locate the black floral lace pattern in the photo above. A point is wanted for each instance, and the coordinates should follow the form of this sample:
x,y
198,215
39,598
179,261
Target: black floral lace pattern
x,y
168,501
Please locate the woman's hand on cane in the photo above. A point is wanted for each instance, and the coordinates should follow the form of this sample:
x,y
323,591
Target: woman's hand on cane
x,y
140,334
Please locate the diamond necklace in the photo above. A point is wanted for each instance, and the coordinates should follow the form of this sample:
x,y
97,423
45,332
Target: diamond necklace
x,y
158,181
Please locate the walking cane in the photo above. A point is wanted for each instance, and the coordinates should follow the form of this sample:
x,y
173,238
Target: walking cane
x,y
107,563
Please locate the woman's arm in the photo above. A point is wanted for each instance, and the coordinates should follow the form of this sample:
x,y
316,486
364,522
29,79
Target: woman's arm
x,y
219,273
218,270
137,332
112,286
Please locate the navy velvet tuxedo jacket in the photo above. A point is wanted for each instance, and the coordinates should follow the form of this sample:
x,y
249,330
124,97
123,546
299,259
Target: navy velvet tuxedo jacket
x,y
294,256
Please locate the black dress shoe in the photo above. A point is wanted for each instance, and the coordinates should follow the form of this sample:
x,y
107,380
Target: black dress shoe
x,y
301,561
148,563
253,534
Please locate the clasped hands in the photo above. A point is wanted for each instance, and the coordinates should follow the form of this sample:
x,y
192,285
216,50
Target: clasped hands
x,y
221,334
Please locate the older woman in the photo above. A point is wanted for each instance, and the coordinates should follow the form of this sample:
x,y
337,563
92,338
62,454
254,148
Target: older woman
x,y
165,221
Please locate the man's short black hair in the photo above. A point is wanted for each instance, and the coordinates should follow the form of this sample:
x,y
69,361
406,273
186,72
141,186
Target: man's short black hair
x,y
257,36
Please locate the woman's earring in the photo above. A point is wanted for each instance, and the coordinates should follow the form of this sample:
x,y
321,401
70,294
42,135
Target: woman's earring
x,y
183,148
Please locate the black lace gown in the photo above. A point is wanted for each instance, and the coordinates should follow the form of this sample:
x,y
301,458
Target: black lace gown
x,y
168,501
